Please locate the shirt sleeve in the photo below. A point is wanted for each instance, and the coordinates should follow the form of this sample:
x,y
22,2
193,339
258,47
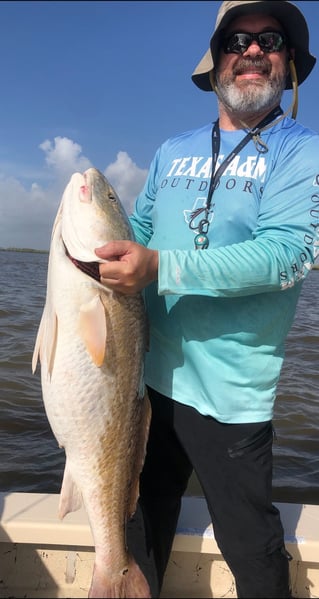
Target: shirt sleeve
x,y
141,218
283,246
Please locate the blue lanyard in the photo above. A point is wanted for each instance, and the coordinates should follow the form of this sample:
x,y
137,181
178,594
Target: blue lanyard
x,y
201,239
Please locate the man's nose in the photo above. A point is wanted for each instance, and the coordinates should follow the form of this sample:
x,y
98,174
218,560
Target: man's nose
x,y
253,49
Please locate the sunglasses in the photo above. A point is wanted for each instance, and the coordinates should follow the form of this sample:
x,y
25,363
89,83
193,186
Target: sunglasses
x,y
268,41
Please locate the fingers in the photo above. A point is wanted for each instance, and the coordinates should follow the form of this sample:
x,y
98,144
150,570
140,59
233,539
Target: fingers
x,y
114,276
118,272
129,266
112,271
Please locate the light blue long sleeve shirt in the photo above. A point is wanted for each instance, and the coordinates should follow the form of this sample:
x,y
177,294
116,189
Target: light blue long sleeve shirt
x,y
219,317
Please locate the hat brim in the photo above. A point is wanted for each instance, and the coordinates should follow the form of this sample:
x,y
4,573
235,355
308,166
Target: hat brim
x,y
293,23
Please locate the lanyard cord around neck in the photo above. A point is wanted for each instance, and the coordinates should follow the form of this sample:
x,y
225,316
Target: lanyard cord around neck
x,y
201,240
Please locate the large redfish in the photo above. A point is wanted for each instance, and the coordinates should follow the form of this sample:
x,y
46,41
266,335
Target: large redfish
x,y
91,343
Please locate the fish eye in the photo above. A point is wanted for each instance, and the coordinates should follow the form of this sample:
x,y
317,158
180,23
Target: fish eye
x,y
112,197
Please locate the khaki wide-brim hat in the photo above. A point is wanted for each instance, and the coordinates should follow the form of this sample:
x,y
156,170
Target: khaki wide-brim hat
x,y
290,18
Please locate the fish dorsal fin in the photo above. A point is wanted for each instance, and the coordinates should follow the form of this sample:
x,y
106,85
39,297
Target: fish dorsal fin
x,y
93,329
37,346
45,344
46,341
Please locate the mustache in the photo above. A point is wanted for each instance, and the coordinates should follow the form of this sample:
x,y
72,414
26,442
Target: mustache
x,y
245,65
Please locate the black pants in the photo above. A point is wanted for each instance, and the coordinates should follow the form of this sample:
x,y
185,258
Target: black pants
x,y
233,463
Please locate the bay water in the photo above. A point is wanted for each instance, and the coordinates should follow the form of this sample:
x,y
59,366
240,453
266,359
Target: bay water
x,y
30,459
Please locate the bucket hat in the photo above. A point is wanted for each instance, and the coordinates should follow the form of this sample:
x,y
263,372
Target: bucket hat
x,y
292,21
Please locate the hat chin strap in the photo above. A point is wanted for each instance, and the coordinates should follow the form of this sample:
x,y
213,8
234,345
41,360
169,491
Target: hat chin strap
x,y
293,108
294,79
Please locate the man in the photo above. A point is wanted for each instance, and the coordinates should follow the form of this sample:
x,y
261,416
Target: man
x,y
226,230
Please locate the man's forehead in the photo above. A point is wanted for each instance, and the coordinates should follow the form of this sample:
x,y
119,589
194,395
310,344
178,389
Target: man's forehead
x,y
254,23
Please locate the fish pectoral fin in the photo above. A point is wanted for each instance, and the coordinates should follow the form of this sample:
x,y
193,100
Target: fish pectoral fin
x,y
93,329
70,496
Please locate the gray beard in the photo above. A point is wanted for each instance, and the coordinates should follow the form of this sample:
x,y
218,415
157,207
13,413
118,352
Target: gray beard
x,y
251,98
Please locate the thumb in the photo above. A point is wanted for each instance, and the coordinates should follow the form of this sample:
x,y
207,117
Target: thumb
x,y
112,250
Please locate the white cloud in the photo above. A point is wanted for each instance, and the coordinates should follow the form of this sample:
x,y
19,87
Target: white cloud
x,y
27,213
127,179
64,156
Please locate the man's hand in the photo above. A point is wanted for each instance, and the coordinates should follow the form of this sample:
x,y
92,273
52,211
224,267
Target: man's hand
x,y
130,266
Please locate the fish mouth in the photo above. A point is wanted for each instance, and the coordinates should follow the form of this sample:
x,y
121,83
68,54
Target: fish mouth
x,y
85,191
89,268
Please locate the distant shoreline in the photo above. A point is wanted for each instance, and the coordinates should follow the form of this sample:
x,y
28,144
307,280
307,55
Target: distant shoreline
x,y
29,250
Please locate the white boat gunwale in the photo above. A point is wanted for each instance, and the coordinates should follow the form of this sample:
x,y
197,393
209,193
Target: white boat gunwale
x,y
31,519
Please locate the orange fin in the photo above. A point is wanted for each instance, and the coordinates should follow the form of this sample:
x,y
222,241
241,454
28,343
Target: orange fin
x,y
93,329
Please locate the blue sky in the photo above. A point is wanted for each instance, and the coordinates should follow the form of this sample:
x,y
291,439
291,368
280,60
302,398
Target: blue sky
x,y
101,84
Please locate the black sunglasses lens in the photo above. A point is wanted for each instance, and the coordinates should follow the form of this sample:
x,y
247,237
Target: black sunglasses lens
x,y
268,41
237,43
271,41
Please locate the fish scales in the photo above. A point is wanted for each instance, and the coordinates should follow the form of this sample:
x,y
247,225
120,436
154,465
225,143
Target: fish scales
x,y
91,343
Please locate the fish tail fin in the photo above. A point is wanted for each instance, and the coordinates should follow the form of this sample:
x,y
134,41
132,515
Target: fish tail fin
x,y
130,582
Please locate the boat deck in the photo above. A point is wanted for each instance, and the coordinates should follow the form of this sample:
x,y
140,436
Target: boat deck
x,y
40,556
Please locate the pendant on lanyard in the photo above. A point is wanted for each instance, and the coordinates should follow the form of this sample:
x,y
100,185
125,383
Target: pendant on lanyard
x,y
201,241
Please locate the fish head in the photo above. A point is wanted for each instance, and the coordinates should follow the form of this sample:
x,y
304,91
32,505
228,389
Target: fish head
x,y
92,214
